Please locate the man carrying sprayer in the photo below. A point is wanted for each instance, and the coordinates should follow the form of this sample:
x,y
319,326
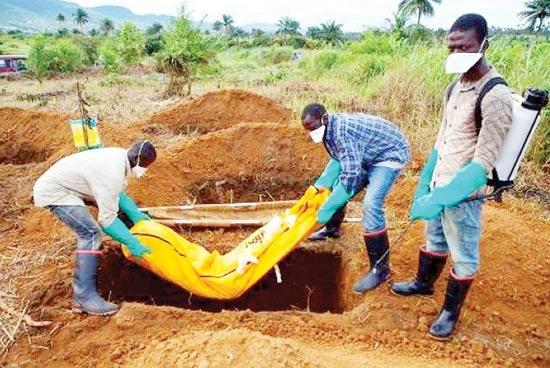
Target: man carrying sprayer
x,y
100,175
365,151
456,171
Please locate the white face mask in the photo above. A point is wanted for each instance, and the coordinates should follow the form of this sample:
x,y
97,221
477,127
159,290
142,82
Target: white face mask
x,y
138,171
318,134
461,62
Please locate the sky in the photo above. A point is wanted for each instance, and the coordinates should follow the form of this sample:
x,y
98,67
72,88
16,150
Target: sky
x,y
354,15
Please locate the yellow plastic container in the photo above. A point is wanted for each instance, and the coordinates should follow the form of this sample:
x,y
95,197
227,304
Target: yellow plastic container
x,y
85,134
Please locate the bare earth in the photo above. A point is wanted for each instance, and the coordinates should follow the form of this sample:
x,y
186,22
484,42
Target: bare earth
x,y
236,146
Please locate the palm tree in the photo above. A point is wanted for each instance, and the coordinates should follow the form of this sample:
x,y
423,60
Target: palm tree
x,y
421,7
217,26
313,32
81,18
331,33
287,26
537,9
256,32
398,23
227,27
60,18
239,32
106,26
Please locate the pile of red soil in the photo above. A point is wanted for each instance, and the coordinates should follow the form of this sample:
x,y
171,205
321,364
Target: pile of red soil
x,y
244,163
220,110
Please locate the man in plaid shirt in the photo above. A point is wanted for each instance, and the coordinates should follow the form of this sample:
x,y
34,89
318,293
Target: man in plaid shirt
x,y
365,151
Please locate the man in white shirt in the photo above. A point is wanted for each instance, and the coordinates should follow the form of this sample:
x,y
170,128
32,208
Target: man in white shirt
x,y
99,175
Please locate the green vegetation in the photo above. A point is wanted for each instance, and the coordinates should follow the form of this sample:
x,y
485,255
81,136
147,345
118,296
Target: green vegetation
x,y
397,73
420,7
50,57
187,55
537,10
81,18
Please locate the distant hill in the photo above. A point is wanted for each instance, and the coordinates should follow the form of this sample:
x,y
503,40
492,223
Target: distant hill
x,y
36,16
40,15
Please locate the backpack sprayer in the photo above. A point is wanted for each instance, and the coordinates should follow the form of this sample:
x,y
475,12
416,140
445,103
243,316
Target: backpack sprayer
x,y
526,116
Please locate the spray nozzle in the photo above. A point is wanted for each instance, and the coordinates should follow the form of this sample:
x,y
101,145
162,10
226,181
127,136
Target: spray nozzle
x,y
535,99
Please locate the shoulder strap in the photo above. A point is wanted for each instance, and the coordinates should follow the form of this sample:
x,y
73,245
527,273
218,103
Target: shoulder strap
x,y
495,180
450,90
486,88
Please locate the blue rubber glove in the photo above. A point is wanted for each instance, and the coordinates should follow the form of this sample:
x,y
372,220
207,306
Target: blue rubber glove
x,y
464,183
424,209
329,175
130,208
118,231
339,197
425,180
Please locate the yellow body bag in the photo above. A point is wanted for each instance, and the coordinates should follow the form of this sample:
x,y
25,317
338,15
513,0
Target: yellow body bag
x,y
227,276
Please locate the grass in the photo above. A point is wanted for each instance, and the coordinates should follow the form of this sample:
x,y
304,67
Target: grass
x,y
379,74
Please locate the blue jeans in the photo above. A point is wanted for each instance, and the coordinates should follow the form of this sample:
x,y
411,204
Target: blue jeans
x,y
457,230
82,222
380,181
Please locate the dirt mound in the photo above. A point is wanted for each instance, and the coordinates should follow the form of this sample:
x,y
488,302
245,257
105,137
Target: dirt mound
x,y
219,110
244,163
234,347
32,141
32,137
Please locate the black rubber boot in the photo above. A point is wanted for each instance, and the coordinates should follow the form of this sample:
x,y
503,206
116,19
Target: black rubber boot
x,y
85,296
457,289
430,265
332,227
378,247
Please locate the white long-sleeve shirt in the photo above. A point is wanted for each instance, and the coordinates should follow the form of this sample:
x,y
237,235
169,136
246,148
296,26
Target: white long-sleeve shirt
x,y
98,174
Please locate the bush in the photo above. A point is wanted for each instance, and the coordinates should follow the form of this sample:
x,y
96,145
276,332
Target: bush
x,y
108,55
130,45
418,33
154,43
296,42
90,48
48,57
277,55
367,67
376,43
325,60
187,54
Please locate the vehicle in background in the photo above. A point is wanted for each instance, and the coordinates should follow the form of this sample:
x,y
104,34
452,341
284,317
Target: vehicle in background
x,y
12,64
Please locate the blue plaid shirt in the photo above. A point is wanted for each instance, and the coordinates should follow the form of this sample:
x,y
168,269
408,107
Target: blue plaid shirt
x,y
359,141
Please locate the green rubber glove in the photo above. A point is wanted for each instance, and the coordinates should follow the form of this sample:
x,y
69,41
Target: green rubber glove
x,y
130,208
118,231
339,197
329,175
425,180
424,209
465,182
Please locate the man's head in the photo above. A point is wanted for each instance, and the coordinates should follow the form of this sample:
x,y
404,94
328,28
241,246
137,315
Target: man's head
x,y
312,116
314,120
141,154
468,34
